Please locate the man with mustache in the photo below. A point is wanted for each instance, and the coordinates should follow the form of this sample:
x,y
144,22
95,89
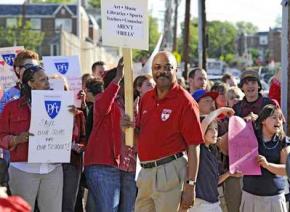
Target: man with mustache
x,y
167,125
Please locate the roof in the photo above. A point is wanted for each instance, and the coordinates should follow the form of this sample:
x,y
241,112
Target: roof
x,y
34,9
262,33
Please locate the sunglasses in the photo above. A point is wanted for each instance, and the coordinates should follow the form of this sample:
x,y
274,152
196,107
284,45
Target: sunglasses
x,y
32,68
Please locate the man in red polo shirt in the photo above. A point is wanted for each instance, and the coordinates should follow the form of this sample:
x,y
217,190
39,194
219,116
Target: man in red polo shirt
x,y
167,125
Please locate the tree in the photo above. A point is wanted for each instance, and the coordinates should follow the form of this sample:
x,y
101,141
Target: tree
x,y
254,54
153,39
221,38
246,28
193,41
95,3
21,36
54,1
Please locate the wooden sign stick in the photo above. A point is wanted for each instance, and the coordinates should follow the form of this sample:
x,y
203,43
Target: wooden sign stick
x,y
129,98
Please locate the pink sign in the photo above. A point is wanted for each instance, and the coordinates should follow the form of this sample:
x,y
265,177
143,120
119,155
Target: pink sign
x,y
243,147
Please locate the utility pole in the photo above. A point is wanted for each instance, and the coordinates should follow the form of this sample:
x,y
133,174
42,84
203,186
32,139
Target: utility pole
x,y
186,37
285,103
23,14
167,38
174,46
204,33
202,38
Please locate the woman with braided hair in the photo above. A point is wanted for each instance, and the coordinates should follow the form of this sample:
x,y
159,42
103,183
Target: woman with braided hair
x,y
31,181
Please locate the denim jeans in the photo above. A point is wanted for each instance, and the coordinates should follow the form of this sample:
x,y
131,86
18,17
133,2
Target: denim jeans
x,y
113,190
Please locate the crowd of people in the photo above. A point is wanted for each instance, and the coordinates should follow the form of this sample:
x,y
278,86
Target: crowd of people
x,y
180,142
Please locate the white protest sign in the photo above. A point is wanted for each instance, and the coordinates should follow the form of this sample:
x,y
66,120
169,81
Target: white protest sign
x,y
125,23
56,84
52,126
7,56
68,67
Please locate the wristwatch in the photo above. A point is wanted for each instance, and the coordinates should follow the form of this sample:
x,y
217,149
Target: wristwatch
x,y
191,182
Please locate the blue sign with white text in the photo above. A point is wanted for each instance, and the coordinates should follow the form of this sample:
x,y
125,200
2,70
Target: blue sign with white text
x,y
52,108
62,67
9,58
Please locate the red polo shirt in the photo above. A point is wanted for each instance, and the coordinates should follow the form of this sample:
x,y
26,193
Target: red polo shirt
x,y
167,126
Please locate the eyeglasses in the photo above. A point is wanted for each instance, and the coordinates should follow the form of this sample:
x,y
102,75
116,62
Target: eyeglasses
x,y
166,67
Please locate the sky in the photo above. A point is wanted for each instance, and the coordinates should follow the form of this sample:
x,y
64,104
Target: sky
x,y
262,13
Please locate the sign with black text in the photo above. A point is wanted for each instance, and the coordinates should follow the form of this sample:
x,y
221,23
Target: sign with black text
x,y
52,126
67,67
125,23
7,56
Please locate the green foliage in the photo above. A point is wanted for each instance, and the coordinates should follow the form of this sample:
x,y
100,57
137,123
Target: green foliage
x,y
254,53
193,40
21,36
228,58
221,38
246,28
95,3
153,39
54,1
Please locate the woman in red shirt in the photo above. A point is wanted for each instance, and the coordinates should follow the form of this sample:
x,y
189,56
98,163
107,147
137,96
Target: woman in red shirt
x,y
31,181
109,163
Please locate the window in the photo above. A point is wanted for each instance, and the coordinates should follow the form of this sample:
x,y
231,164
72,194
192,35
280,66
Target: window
x,y
11,22
64,24
35,23
263,40
54,49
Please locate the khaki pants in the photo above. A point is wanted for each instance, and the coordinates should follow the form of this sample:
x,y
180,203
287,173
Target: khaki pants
x,y
159,188
233,193
47,188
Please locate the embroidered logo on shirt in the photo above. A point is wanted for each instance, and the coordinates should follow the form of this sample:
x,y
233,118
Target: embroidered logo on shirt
x,y
145,111
165,114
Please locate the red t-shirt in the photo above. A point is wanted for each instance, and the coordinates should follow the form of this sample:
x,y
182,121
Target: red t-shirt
x,y
167,126
104,146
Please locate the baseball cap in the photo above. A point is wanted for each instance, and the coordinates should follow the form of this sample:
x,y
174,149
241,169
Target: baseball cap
x,y
249,74
200,93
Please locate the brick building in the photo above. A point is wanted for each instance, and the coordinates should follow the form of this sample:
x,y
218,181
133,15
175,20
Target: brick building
x,y
267,43
51,19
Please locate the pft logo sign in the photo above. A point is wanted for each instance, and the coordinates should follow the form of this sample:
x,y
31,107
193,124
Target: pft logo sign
x,y
9,58
62,67
52,108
